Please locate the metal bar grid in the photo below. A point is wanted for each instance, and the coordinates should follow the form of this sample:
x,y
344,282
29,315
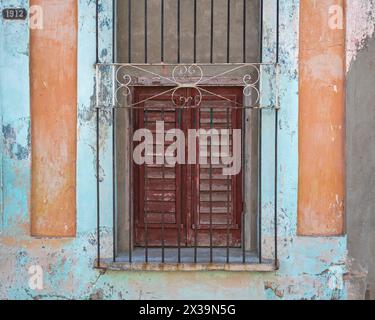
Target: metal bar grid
x,y
132,8
114,106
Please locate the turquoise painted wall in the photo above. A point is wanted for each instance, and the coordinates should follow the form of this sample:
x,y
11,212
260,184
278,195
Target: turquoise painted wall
x,y
310,268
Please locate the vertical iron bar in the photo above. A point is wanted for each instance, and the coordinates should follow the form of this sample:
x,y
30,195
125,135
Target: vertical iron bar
x,y
145,196
195,31
178,31
276,179
211,242
229,207
98,182
179,220
163,197
228,31
277,30
243,163
193,193
244,31
97,31
243,220
277,129
129,31
114,31
131,143
212,33
131,172
260,183
261,17
146,33
260,116
97,138
162,31
114,181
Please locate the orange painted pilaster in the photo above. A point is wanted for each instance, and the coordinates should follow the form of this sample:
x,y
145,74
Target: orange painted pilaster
x,y
53,78
321,119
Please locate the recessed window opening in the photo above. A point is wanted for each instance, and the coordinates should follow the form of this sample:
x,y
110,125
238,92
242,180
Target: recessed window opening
x,y
186,82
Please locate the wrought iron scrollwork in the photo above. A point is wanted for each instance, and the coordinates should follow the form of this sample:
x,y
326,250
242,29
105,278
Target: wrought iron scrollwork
x,y
180,76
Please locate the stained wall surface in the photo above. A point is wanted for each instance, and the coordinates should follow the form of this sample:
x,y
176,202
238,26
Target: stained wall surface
x,y
360,135
321,188
310,267
53,94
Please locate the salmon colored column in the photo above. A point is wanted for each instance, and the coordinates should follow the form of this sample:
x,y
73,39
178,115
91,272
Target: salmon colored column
x,y
53,78
321,119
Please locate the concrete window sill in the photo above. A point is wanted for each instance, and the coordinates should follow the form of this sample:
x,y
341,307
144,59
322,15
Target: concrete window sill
x,y
187,261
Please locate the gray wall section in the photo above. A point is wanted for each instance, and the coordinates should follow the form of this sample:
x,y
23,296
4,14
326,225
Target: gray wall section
x,y
187,31
360,204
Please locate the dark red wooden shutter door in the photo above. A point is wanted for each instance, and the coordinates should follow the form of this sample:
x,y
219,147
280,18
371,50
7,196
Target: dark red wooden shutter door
x,y
219,197
158,196
188,204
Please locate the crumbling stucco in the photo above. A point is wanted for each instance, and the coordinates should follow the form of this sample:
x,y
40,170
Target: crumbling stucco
x,y
360,119
310,268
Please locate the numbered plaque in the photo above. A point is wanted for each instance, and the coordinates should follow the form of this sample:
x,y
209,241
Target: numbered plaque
x,y
14,14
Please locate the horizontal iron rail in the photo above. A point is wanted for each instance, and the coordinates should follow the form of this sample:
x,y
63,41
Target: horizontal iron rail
x,y
188,64
109,107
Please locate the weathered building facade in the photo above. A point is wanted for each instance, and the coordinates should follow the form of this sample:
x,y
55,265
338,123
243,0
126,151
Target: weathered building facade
x,y
62,216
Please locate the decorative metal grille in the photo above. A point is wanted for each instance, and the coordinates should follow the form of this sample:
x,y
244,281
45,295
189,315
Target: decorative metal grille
x,y
115,83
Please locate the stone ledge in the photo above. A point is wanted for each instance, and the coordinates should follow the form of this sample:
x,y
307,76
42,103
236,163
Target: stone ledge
x,y
109,264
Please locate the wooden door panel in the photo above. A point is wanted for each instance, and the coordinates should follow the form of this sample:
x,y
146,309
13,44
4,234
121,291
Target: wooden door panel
x,y
218,209
188,204
158,200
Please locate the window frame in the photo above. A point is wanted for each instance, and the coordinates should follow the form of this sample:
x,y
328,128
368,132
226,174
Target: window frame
x,y
264,256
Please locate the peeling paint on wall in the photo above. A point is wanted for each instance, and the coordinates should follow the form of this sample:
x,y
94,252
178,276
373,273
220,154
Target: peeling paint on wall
x,y
310,268
321,190
360,147
11,147
360,27
53,94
